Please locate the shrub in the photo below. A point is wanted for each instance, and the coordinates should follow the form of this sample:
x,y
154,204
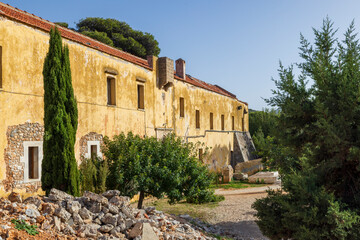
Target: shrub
x,y
156,167
94,172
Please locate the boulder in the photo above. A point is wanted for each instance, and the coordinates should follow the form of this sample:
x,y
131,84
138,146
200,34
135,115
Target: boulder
x,y
109,219
240,176
136,231
34,200
63,214
227,173
57,195
96,197
85,214
148,232
15,197
73,206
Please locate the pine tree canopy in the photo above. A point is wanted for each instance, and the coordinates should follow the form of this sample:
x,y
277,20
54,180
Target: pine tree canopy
x,y
120,35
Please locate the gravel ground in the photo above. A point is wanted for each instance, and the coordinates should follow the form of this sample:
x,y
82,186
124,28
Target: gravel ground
x,y
235,215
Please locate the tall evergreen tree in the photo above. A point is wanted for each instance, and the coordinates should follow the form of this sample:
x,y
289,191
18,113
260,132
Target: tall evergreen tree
x,y
59,167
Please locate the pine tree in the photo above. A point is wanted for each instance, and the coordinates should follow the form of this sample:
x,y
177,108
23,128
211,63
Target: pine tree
x,y
59,167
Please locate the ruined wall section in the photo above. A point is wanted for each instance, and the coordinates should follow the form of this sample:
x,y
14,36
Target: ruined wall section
x,y
16,136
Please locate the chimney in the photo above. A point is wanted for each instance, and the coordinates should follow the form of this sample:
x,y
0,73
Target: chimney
x,y
180,68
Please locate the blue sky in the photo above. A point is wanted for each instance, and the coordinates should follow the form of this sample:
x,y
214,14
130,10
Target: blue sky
x,y
236,44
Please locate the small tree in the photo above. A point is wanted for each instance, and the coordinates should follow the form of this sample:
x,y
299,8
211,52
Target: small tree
x,y
154,167
59,167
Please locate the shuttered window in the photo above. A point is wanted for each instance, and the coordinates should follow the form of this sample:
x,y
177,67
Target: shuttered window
x,y
182,111
111,93
140,90
232,123
33,162
222,122
197,116
211,121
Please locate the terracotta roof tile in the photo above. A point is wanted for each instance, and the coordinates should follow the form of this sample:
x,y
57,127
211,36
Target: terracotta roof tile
x,y
38,22
34,21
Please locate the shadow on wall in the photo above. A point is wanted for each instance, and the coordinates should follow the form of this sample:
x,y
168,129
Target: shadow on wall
x,y
218,157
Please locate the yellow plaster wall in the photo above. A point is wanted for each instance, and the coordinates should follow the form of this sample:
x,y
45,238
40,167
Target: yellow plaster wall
x,y
21,99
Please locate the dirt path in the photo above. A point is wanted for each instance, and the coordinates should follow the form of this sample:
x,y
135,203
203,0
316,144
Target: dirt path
x,y
235,216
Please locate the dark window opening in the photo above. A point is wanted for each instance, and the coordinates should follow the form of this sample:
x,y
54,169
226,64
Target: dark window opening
x,y
232,123
222,122
111,93
140,90
33,162
197,118
211,121
182,112
93,150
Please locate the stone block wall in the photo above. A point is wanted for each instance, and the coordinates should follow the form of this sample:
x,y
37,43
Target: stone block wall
x,y
16,135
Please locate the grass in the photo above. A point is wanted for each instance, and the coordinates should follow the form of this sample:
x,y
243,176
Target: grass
x,y
236,184
200,211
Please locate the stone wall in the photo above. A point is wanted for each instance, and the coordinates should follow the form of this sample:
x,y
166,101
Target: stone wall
x,y
16,135
92,136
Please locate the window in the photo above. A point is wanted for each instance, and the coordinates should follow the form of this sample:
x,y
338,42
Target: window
x,y
232,123
140,93
211,121
222,122
0,66
33,158
111,93
182,113
201,154
93,151
197,113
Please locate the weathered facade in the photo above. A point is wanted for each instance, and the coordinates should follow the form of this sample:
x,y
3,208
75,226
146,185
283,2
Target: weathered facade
x,y
116,92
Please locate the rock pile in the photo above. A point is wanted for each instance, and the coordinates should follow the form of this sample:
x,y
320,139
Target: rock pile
x,y
95,216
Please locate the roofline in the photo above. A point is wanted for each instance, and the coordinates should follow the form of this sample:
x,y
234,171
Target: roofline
x,y
45,25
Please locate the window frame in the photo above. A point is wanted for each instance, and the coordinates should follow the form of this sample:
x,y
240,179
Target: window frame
x,y
87,155
111,90
25,160
222,122
182,107
197,119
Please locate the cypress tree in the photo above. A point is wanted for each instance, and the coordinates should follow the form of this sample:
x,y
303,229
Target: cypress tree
x,y
59,167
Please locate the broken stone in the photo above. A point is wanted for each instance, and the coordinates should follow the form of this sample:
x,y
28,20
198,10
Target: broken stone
x,y
120,201
77,219
40,219
33,200
111,193
68,230
95,207
85,214
148,233
129,223
116,232
136,230
73,206
57,223
57,195
15,197
109,219
89,230
63,214
31,211
113,209
47,209
106,228
96,197
127,212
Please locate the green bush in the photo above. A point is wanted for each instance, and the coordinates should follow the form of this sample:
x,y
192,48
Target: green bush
x,y
94,172
157,167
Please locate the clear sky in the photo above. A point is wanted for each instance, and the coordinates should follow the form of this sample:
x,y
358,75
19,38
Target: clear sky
x,y
236,44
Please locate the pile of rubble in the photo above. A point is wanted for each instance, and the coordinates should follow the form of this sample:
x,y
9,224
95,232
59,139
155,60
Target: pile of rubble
x,y
105,216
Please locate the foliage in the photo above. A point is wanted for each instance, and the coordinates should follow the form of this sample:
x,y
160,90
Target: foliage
x,y
94,172
264,120
236,184
319,137
59,167
154,167
121,35
63,24
22,225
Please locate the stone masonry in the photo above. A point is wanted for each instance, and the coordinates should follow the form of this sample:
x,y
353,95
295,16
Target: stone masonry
x,y
16,135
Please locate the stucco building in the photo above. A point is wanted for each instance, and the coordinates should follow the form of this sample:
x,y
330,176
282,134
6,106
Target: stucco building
x,y
116,92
